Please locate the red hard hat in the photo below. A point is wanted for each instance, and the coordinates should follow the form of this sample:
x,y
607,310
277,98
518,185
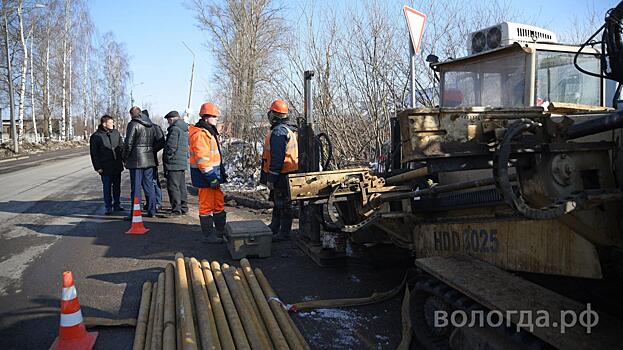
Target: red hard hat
x,y
209,108
279,106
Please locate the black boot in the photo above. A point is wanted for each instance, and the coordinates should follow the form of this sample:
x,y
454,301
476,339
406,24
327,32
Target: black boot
x,y
285,226
275,221
207,227
220,219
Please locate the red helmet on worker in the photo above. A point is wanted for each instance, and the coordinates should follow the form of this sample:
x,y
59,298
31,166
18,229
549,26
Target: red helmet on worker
x,y
279,106
209,108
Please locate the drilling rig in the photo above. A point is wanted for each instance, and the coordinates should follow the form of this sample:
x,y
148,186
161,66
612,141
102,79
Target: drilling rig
x,y
508,194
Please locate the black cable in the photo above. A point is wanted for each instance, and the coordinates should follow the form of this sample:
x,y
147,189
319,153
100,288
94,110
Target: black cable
x,y
611,47
329,146
575,58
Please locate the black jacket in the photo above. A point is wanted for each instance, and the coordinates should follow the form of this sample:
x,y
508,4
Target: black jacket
x,y
159,134
141,144
175,156
106,150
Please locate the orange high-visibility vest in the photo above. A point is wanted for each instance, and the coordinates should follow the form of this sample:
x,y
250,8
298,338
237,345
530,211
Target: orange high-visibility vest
x,y
205,158
291,160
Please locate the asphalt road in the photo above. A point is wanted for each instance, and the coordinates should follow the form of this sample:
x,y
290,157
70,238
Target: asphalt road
x,y
52,221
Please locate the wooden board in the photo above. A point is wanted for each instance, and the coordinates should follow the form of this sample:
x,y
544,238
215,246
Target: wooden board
x,y
568,108
497,289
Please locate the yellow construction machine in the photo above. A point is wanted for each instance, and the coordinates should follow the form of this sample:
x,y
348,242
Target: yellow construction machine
x,y
508,194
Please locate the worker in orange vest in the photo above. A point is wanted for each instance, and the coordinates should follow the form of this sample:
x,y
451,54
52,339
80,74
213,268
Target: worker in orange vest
x,y
280,158
207,172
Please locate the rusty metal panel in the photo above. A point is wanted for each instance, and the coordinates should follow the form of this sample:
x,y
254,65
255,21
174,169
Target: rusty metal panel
x,y
440,132
321,184
532,246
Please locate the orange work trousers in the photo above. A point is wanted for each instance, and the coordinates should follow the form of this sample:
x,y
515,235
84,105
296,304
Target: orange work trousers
x,y
211,201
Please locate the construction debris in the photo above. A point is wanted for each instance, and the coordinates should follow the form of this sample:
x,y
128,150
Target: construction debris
x,y
216,306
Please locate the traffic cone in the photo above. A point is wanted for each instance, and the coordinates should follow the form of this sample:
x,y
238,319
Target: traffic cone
x,y
72,334
137,227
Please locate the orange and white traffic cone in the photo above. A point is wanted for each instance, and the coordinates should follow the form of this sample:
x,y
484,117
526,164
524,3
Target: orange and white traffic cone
x,y
137,227
72,334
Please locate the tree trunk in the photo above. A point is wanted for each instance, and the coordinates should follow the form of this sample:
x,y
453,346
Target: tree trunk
x,y
22,86
10,80
47,118
32,89
85,93
70,125
63,132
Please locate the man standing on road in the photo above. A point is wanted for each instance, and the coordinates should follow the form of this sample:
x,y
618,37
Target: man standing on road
x,y
207,172
138,154
280,158
158,145
175,160
106,151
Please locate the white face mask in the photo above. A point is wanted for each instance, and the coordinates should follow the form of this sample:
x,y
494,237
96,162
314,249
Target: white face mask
x,y
212,120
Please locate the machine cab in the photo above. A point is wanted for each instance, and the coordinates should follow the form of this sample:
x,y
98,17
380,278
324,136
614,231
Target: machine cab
x,y
526,72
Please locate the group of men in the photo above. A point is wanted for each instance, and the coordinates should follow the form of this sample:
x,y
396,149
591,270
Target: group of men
x,y
197,146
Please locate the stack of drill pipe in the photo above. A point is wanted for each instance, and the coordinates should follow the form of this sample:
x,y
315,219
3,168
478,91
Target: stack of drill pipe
x,y
203,305
237,330
269,319
222,326
257,338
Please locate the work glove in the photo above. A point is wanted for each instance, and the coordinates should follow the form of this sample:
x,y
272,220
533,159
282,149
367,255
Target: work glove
x,y
270,185
223,175
214,184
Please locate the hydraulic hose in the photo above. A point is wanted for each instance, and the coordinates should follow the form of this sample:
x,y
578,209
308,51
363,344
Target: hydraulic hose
x,y
329,145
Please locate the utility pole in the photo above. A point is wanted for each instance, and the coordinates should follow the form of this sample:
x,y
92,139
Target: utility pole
x,y
192,77
10,80
132,92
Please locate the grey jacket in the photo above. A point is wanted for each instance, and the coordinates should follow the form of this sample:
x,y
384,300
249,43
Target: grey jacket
x,y
175,156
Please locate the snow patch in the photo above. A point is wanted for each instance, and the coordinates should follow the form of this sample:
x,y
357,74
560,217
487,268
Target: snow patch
x,y
344,322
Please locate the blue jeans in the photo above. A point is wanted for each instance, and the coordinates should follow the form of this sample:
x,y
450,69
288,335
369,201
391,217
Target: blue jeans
x,y
112,190
143,177
157,187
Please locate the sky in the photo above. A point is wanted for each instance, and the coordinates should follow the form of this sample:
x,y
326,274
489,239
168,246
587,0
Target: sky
x,y
153,31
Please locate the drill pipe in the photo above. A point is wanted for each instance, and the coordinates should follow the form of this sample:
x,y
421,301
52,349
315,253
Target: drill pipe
x,y
205,317
267,315
152,316
235,324
408,176
292,334
224,334
256,310
156,334
184,310
143,315
191,293
247,316
168,338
